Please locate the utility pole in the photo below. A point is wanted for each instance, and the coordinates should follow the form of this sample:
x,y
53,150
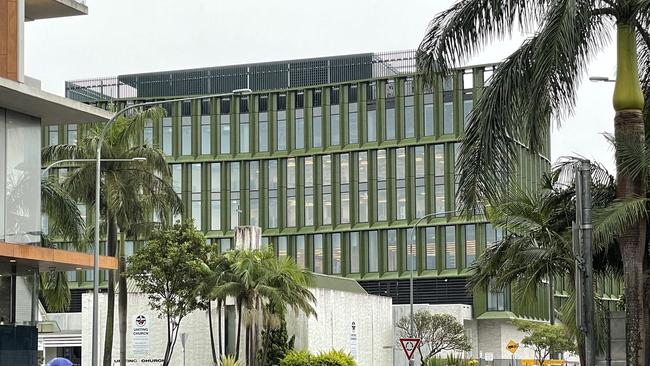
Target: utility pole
x,y
583,247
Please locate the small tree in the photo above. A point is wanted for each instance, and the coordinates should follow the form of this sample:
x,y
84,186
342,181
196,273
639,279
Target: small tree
x,y
545,339
276,343
437,332
170,270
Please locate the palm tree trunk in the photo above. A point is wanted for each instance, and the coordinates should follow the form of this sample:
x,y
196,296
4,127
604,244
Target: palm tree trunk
x,y
219,327
629,126
122,300
214,354
239,318
110,309
551,300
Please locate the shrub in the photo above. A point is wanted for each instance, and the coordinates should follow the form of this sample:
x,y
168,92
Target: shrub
x,y
229,360
295,358
330,358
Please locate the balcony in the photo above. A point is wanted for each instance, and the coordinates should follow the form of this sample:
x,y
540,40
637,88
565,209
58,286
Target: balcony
x,y
44,9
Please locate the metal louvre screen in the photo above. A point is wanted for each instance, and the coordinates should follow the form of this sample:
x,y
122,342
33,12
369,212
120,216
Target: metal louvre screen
x,y
425,290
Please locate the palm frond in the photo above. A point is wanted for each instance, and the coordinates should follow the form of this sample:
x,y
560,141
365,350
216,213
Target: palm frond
x,y
538,81
618,217
55,291
64,217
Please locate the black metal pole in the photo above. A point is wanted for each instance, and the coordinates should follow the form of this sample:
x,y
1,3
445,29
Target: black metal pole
x,y
586,228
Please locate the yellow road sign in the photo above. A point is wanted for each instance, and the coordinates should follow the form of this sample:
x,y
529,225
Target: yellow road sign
x,y
512,346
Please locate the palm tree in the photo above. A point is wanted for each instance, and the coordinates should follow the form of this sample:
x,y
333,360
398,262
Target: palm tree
x,y
257,280
65,223
130,194
539,81
538,227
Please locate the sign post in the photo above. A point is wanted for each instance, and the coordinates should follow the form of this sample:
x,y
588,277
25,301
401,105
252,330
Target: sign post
x,y
409,345
512,346
183,341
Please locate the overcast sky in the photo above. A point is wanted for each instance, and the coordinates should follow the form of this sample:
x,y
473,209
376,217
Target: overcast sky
x,y
132,36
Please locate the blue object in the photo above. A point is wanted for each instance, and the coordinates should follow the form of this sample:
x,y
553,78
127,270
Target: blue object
x,y
59,361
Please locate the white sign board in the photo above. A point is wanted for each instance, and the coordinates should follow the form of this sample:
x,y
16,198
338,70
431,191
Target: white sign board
x,y
353,341
140,335
489,356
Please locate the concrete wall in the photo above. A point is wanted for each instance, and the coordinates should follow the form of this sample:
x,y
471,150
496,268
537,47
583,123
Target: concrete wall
x,y
332,329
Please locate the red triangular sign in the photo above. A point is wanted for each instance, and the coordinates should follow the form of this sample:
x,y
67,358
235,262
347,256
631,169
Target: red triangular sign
x,y
409,345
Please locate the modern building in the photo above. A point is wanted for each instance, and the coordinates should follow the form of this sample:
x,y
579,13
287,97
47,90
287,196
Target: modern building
x,y
335,158
24,110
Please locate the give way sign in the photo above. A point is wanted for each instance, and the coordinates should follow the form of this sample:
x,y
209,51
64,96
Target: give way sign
x,y
409,345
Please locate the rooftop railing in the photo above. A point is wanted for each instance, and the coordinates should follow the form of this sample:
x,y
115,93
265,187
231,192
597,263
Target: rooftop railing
x,y
257,77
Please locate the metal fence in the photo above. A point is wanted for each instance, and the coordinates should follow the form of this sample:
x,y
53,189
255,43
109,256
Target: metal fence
x,y
257,77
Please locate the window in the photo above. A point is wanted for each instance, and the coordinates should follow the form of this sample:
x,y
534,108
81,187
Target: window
x,y
244,126
400,183
317,120
450,247
326,163
300,250
225,126
281,249
371,105
272,213
336,253
299,124
263,124
186,135
409,117
373,252
420,189
391,250
353,126
147,133
206,138
318,253
177,180
382,199
291,192
281,133
53,135
235,209
224,245
468,104
428,115
447,107
410,250
470,244
492,235
496,297
439,178
344,165
215,196
254,193
353,250
196,195
72,134
390,123
363,187
309,191
167,135
206,107
430,243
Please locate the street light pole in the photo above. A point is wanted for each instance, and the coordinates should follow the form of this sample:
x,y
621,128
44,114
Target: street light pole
x,y
45,170
98,152
411,260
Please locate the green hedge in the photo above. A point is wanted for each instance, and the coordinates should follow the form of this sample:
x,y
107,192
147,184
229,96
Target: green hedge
x,y
330,358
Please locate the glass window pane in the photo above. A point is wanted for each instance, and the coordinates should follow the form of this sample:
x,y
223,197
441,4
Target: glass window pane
x,y
448,118
263,131
282,247
224,245
363,206
411,250
391,251
327,170
244,137
409,121
431,247
345,168
215,214
353,128
234,176
254,178
318,253
335,131
470,244
419,161
273,174
206,138
215,177
186,135
317,128
354,252
327,208
420,201
254,208
401,203
167,135
382,205
467,109
291,173
381,165
390,124
336,253
291,211
373,252
363,166
401,163
300,129
273,212
309,210
282,131
372,125
345,207
225,134
300,250
450,247
428,119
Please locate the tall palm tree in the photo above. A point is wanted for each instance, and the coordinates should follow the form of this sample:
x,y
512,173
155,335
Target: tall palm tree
x,y
539,81
259,279
131,193
538,227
